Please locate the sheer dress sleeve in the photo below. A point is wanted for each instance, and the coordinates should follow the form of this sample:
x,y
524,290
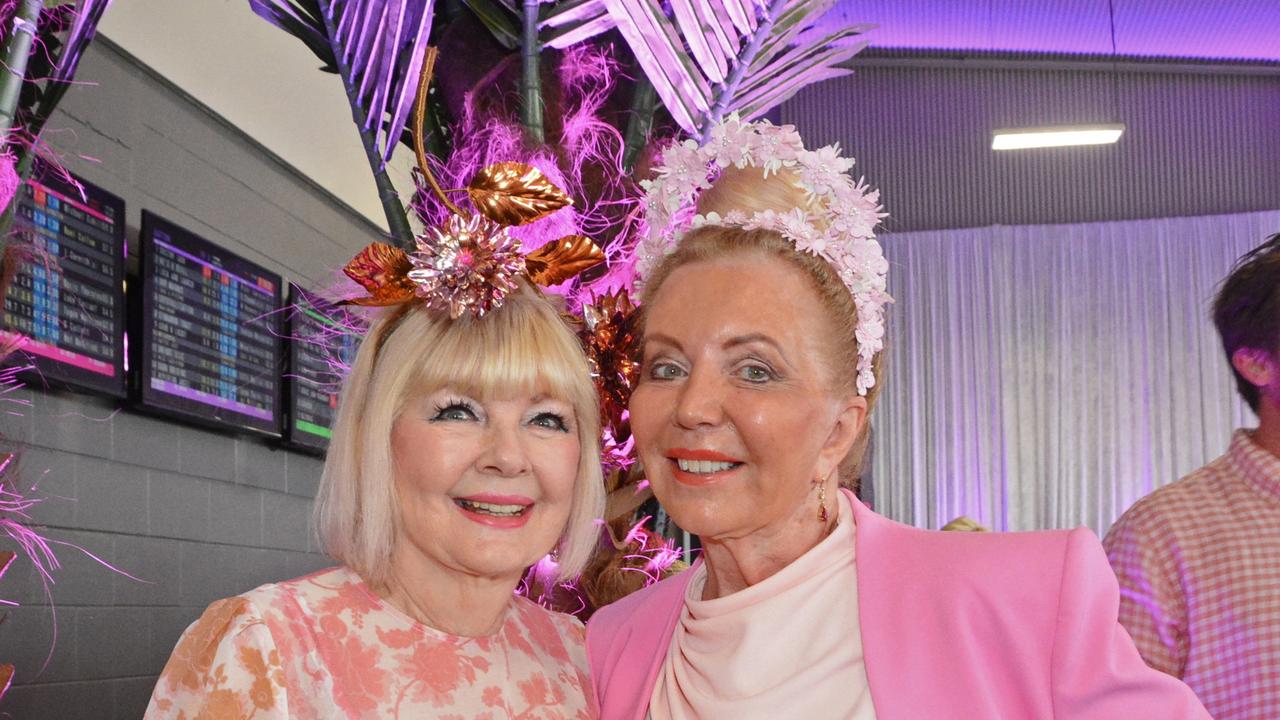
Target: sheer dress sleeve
x,y
225,666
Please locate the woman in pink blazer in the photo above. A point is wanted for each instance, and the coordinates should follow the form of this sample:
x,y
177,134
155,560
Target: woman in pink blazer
x,y
761,336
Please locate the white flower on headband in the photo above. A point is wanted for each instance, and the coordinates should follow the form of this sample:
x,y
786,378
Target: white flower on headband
x,y
842,232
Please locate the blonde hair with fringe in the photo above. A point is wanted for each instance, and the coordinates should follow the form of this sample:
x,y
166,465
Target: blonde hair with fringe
x,y
522,347
748,190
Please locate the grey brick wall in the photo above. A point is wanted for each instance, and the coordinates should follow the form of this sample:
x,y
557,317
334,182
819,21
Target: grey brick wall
x,y
195,515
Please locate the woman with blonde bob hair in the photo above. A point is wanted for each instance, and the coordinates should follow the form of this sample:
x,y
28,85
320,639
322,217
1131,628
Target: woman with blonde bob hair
x,y
463,452
763,324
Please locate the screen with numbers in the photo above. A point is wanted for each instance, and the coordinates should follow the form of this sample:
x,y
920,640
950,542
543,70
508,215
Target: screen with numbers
x,y
321,346
209,345
67,297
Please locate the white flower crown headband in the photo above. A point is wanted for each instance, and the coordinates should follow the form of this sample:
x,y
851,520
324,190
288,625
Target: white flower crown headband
x,y
842,232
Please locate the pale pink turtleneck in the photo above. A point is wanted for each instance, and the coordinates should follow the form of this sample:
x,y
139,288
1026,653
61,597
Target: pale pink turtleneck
x,y
789,646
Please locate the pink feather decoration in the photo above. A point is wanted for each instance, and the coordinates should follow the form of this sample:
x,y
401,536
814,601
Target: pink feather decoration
x,y
586,163
9,180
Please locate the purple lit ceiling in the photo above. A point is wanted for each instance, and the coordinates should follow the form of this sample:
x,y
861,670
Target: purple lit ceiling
x,y
1220,29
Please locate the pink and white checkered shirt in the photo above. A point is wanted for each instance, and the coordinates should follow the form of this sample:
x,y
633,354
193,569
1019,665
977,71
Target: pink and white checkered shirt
x,y
1199,569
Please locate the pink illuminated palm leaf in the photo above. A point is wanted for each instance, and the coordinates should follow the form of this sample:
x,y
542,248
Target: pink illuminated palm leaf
x,y
570,22
376,46
710,58
83,27
560,24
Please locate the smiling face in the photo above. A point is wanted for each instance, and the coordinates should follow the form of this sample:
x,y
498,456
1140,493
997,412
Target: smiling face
x,y
484,486
734,416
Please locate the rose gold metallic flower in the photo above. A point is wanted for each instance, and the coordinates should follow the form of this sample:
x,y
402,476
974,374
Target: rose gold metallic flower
x,y
468,265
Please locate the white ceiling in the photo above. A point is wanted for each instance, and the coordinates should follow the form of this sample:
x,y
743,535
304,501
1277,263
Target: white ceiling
x,y
260,79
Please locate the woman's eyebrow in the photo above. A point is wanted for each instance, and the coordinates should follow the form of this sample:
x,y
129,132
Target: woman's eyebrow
x,y
548,398
660,338
753,338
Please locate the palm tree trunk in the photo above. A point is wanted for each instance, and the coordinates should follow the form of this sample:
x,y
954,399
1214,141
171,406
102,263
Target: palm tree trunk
x,y
530,80
16,52
392,207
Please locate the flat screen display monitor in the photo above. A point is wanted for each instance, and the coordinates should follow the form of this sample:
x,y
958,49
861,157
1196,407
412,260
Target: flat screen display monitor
x,y
67,297
208,348
321,346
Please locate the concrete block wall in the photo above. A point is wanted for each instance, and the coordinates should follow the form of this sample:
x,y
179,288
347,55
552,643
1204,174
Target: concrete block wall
x,y
195,515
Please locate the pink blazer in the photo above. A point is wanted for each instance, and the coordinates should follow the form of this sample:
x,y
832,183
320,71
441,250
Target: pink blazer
x,y
954,625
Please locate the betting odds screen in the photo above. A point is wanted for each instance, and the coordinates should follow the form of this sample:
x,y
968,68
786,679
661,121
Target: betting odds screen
x,y
321,347
68,297
209,348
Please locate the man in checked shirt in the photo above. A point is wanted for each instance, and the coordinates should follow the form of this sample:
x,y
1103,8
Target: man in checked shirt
x,y
1199,560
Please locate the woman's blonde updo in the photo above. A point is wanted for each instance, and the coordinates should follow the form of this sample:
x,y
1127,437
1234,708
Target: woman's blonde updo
x,y
748,190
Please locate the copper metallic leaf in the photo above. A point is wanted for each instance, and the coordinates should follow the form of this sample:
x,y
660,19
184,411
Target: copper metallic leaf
x,y
12,259
610,341
383,270
560,260
513,193
6,557
6,677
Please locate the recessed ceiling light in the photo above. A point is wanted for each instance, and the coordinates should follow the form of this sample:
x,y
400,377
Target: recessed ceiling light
x,y
1055,136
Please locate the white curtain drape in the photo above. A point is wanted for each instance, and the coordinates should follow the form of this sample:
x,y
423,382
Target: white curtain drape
x,y
1049,376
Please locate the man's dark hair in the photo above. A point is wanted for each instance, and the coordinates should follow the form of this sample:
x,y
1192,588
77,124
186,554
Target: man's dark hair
x,y
1247,309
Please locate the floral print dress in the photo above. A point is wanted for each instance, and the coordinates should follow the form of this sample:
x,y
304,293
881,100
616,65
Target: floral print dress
x,y
325,646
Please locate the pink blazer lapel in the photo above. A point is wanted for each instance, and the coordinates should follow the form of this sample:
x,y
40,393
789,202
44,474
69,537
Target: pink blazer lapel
x,y
668,630
630,670
884,647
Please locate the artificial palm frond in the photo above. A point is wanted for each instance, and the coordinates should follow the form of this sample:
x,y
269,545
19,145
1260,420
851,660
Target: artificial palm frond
x,y
560,24
376,46
501,17
709,58
84,24
570,22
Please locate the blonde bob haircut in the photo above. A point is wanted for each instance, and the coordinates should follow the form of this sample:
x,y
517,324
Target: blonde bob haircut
x,y
523,347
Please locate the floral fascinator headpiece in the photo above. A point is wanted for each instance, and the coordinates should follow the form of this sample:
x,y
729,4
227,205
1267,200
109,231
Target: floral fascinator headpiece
x,y
470,262
840,228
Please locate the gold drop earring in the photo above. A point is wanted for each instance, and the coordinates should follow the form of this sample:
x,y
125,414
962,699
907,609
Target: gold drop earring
x,y
822,501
